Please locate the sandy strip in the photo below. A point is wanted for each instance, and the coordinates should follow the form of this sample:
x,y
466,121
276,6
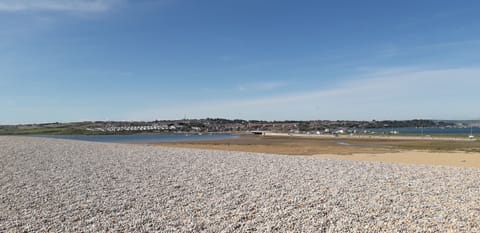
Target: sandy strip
x,y
457,159
426,152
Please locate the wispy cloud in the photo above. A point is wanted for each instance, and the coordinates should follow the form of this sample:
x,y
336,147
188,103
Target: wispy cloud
x,y
58,5
441,93
261,86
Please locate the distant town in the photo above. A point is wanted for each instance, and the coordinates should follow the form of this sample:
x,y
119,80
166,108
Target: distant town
x,y
218,125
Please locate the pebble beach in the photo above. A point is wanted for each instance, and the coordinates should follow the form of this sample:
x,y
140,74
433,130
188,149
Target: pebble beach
x,y
54,185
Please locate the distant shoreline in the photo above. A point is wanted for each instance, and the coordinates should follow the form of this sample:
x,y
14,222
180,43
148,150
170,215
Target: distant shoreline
x,y
381,137
219,125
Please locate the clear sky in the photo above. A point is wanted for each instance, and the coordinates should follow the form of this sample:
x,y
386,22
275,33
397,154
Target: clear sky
x,y
75,60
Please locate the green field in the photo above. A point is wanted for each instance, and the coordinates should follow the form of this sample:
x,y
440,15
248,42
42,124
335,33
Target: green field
x,y
64,129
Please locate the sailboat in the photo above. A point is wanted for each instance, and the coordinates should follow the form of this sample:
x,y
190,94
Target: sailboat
x,y
471,133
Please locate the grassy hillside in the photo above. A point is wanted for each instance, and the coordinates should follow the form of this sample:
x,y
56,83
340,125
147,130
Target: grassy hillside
x,y
73,128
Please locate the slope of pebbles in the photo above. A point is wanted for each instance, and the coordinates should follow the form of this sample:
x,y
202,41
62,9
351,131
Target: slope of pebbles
x,y
73,186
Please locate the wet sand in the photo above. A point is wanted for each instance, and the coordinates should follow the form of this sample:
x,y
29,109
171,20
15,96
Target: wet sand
x,y
446,153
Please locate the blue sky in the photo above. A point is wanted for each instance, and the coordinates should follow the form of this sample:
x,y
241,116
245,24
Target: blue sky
x,y
75,60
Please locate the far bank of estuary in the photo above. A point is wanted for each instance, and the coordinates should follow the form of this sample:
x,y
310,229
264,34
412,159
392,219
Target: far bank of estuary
x,y
431,131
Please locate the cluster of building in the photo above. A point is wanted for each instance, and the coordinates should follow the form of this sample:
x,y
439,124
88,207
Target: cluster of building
x,y
145,128
225,125
346,131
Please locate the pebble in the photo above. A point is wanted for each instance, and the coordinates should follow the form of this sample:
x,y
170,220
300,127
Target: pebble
x,y
73,186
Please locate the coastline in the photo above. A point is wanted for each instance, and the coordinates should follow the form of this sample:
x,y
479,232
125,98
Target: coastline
x,y
380,137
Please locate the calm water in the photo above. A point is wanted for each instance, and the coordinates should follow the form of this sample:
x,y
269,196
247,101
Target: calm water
x,y
432,131
144,138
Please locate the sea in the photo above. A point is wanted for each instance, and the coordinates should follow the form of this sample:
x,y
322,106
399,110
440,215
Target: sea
x,y
429,131
143,138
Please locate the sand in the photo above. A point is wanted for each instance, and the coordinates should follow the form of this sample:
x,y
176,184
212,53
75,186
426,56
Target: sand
x,y
457,159
440,152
